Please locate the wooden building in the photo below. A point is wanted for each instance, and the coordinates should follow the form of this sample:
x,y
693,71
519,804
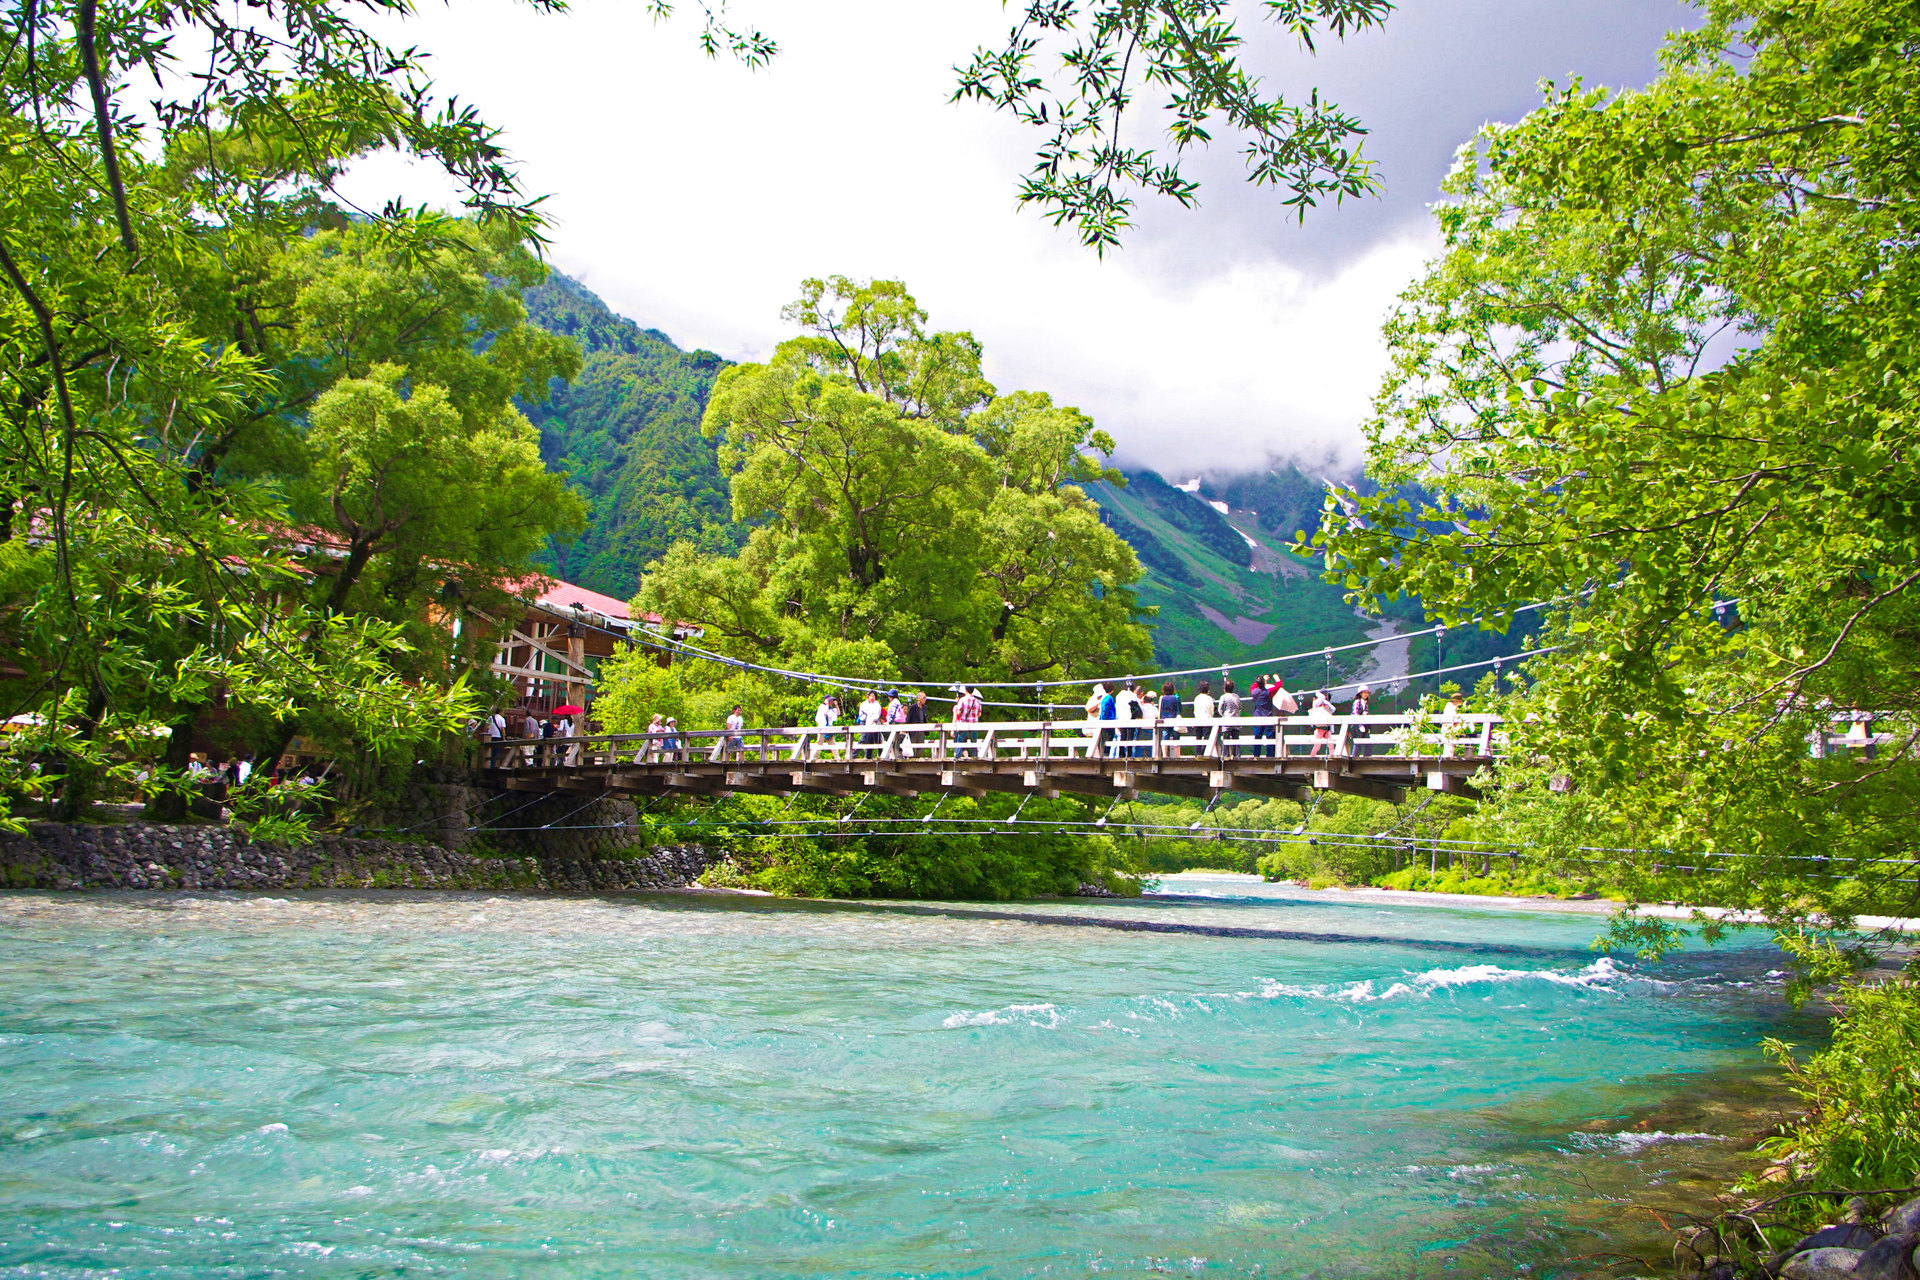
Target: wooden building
x,y
552,653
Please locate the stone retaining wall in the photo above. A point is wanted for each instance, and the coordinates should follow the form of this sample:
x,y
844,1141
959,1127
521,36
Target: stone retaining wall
x,y
140,855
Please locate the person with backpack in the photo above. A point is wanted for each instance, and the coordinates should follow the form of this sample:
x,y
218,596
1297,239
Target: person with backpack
x,y
1322,718
896,714
1358,709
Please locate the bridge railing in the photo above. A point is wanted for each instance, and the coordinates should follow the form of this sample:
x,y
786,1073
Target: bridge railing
x,y
1221,738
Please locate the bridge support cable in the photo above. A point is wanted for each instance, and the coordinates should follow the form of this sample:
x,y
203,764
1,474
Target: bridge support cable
x,y
508,813
1015,815
869,682
465,812
546,826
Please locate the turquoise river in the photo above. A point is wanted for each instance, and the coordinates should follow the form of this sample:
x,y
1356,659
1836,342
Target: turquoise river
x,y
1265,1081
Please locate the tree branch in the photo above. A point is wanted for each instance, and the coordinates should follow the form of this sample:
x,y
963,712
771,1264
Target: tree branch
x,y
103,120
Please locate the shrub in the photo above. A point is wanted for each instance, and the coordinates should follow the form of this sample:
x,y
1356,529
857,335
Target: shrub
x,y
1862,1129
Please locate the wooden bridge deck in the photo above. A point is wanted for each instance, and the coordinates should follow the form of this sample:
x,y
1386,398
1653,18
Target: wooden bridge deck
x,y
1379,756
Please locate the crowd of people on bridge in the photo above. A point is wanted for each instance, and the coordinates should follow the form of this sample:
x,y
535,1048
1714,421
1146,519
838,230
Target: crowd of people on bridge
x,y
1129,703
1123,720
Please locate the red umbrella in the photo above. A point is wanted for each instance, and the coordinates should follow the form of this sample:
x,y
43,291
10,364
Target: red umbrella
x,y
568,710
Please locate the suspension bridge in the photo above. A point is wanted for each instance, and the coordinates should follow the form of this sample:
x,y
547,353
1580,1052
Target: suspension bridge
x,y
1292,757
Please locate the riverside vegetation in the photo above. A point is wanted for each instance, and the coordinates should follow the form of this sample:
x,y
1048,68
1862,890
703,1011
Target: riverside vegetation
x,y
260,446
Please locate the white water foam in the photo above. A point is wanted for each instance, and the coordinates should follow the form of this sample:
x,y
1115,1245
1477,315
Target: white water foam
x,y
1602,975
1630,1141
1044,1016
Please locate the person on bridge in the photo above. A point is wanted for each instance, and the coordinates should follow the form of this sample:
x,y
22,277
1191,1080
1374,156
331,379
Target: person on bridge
x,y
495,728
736,742
1169,714
1126,709
871,713
1321,717
650,749
1451,726
1362,697
916,714
825,716
1360,709
1260,700
1229,705
671,745
1143,712
967,711
1094,696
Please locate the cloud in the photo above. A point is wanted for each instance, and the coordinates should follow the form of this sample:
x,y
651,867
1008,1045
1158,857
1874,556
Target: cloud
x,y
694,195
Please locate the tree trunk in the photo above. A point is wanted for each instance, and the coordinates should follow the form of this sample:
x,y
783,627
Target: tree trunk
x,y
77,785
172,806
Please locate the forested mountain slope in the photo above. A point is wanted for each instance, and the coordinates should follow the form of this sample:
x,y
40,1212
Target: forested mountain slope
x,y
627,432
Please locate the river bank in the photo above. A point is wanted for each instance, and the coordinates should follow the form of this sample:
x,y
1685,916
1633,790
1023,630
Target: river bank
x,y
196,857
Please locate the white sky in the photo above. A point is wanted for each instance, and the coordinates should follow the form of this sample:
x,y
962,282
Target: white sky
x,y
694,195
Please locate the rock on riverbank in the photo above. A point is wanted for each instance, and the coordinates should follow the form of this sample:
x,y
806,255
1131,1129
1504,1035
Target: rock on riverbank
x,y
1858,1247
138,855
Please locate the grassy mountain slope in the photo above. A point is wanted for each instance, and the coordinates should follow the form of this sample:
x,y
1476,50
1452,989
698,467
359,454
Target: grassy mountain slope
x,y
1226,588
1270,508
627,432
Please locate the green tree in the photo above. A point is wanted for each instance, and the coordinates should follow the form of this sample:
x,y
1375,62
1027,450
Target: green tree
x,y
319,302
412,479
1667,362
153,378
901,514
1073,68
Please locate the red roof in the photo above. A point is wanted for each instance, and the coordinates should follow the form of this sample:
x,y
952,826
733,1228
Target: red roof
x,y
552,593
